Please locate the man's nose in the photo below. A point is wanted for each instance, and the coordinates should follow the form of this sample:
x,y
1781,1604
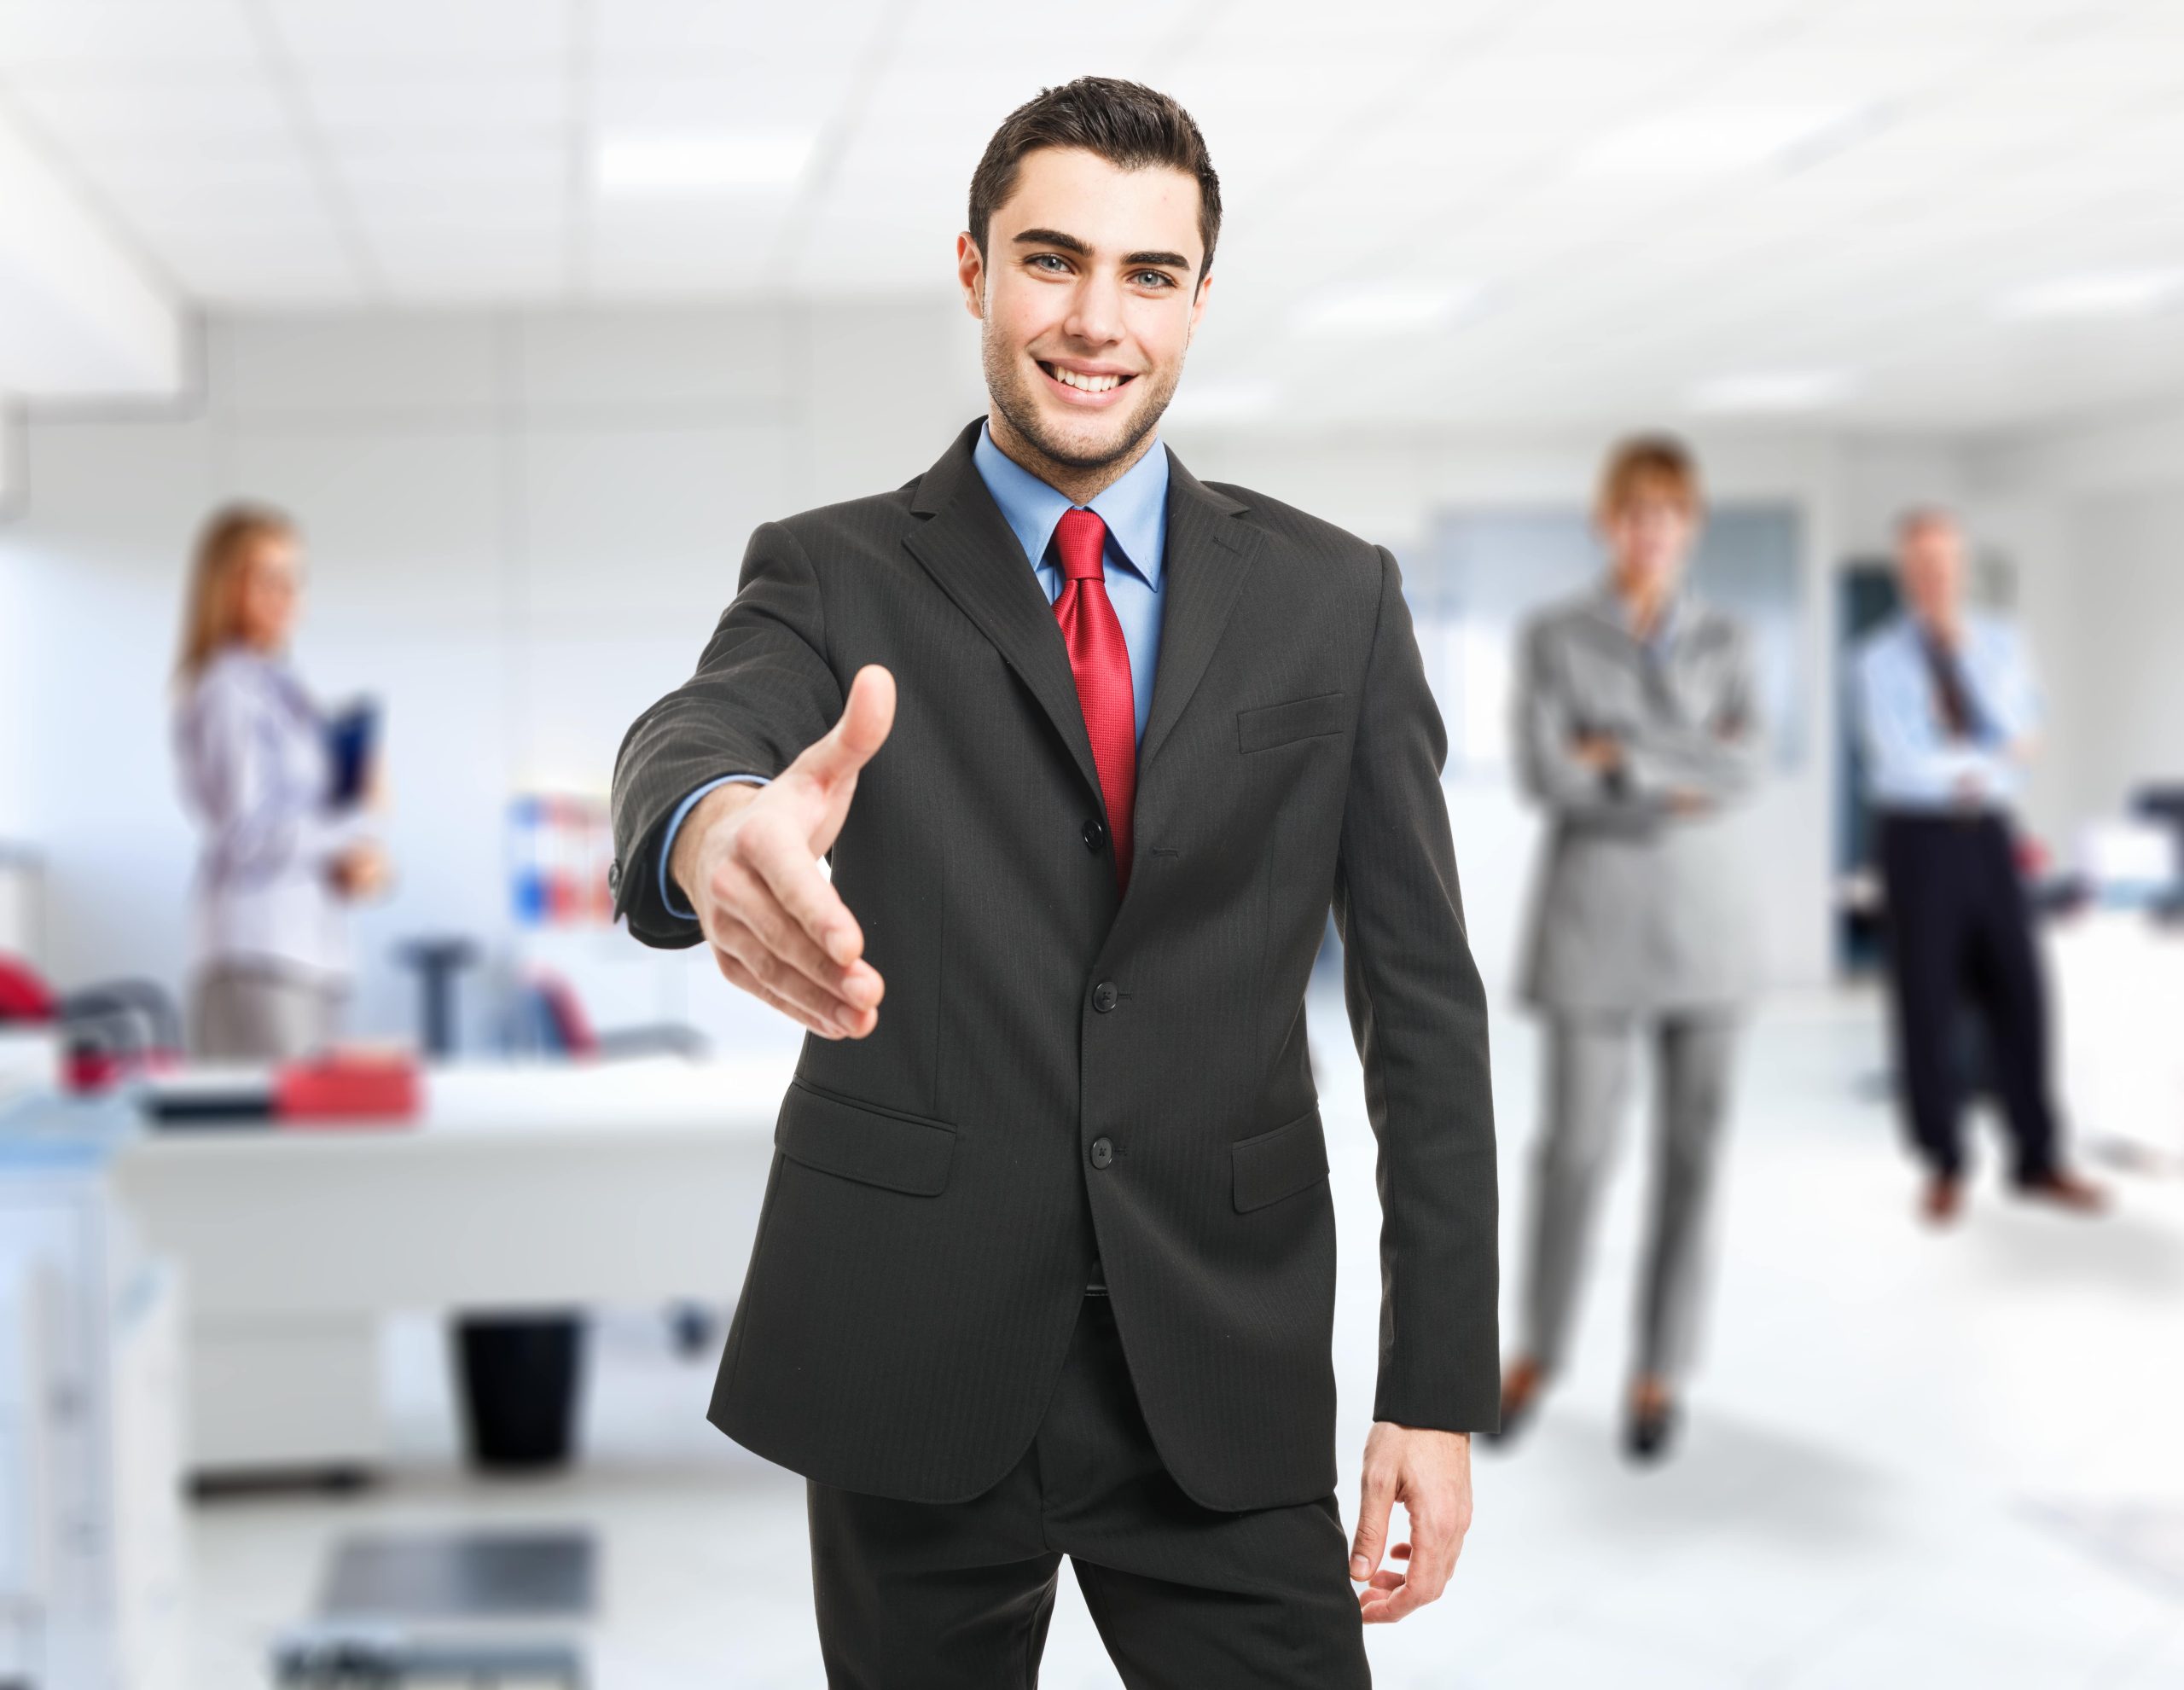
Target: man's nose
x,y
1095,315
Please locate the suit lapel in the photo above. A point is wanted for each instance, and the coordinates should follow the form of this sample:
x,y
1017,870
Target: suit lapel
x,y
1208,555
968,548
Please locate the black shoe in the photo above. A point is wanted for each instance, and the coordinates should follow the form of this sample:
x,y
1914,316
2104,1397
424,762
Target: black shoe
x,y
1648,1434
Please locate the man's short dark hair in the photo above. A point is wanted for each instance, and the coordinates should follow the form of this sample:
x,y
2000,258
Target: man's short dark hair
x,y
1131,126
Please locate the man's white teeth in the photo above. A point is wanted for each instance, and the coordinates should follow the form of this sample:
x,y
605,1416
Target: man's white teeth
x,y
1090,384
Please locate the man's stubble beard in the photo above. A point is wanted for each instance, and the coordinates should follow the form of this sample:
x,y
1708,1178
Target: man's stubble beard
x,y
1007,386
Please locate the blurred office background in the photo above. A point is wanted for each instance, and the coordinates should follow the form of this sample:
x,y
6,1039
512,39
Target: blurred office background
x,y
530,310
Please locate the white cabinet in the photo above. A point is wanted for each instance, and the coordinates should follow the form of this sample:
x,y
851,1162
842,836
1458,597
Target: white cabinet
x,y
91,1548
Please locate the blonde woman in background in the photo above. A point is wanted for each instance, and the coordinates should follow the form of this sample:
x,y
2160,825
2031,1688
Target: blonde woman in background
x,y
1637,727
280,855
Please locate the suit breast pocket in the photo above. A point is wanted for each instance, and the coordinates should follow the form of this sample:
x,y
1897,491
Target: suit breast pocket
x,y
1262,729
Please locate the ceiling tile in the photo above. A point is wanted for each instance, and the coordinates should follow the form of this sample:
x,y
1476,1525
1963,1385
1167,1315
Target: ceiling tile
x,y
710,35
302,263
800,94
445,32
213,113
111,35
438,108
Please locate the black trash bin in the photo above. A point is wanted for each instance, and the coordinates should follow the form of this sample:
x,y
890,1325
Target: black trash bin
x,y
521,1375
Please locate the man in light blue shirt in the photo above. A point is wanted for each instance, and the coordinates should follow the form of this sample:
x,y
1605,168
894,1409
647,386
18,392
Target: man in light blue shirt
x,y
1946,707
1911,678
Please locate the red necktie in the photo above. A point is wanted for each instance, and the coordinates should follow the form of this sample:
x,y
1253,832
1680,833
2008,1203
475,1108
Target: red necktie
x,y
1101,662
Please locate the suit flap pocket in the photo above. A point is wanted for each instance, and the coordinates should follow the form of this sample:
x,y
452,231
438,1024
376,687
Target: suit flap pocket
x,y
1279,1164
1277,724
878,1147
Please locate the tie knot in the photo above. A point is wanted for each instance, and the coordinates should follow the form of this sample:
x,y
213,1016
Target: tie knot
x,y
1080,541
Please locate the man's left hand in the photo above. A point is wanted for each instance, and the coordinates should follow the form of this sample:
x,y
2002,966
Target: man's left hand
x,y
1429,1472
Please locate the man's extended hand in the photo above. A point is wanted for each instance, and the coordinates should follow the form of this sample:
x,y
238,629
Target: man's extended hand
x,y
748,860
1429,1472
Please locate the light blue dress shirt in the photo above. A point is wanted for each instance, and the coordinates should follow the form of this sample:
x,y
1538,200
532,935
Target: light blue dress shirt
x,y
1134,509
1912,760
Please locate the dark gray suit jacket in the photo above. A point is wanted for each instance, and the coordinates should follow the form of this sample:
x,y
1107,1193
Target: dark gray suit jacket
x,y
1061,1072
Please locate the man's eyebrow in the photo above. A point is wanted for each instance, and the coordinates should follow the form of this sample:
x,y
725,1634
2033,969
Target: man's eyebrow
x,y
1069,243
1053,237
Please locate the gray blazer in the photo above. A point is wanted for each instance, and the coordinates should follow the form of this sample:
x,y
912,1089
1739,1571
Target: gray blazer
x,y
1639,908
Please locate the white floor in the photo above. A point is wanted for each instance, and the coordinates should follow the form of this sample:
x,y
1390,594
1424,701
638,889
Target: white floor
x,y
1912,1460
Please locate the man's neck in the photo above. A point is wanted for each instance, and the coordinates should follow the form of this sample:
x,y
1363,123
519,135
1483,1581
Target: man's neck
x,y
1079,484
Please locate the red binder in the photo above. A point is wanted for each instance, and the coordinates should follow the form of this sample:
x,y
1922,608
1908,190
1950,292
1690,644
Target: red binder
x,y
346,1089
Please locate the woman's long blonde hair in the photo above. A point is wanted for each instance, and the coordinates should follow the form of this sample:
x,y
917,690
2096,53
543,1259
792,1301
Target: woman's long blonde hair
x,y
216,572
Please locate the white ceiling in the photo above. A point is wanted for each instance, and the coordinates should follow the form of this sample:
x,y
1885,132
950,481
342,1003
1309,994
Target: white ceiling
x,y
360,153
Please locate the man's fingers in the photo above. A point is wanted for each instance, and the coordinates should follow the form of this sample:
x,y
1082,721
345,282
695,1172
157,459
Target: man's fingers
x,y
815,1002
868,713
1431,1562
858,985
786,866
739,976
1377,1497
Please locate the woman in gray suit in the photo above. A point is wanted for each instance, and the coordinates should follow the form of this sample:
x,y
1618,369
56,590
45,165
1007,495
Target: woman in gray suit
x,y
1636,729
283,853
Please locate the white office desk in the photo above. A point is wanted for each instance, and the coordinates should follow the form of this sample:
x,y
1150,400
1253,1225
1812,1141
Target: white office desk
x,y
518,1187
2118,979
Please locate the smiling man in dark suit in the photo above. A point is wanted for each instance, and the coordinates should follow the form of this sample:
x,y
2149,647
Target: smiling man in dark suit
x,y
1046,1264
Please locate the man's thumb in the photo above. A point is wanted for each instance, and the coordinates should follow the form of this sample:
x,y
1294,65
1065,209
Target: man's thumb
x,y
866,716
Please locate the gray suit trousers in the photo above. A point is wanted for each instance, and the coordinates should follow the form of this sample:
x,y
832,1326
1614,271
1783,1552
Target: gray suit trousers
x,y
1588,1081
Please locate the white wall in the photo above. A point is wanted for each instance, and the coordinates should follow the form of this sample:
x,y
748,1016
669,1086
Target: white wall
x,y
2096,509
2133,545
522,526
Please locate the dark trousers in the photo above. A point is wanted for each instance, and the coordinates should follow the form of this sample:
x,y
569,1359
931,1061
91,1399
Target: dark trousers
x,y
1960,934
920,1596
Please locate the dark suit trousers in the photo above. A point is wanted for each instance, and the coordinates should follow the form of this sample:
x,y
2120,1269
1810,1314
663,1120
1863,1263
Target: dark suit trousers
x,y
956,1596
1960,934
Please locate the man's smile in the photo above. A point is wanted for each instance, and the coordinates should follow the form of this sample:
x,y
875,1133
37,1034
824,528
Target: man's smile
x,y
1077,385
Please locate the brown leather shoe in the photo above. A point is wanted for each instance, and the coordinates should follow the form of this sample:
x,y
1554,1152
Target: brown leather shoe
x,y
2066,1190
1943,1200
1522,1381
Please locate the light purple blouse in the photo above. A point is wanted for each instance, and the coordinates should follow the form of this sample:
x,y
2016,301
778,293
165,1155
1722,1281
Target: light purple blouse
x,y
257,773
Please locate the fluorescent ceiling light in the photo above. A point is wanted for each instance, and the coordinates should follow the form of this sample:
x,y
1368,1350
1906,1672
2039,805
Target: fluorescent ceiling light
x,y
2116,292
1712,140
1387,308
701,163
1772,391
1216,401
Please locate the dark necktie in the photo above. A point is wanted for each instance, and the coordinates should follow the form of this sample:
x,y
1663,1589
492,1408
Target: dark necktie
x,y
1959,715
1100,660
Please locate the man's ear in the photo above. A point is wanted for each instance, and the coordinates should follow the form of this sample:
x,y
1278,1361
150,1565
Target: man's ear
x,y
1198,299
971,274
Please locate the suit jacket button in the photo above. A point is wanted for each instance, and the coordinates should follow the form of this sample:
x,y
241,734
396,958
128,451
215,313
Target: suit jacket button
x,y
1105,996
1103,1152
1095,834
614,876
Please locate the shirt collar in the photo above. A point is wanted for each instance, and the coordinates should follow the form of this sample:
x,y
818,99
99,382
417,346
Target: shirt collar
x,y
1135,509
1608,604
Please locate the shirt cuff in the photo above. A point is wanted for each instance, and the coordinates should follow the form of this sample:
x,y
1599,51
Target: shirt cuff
x,y
675,826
